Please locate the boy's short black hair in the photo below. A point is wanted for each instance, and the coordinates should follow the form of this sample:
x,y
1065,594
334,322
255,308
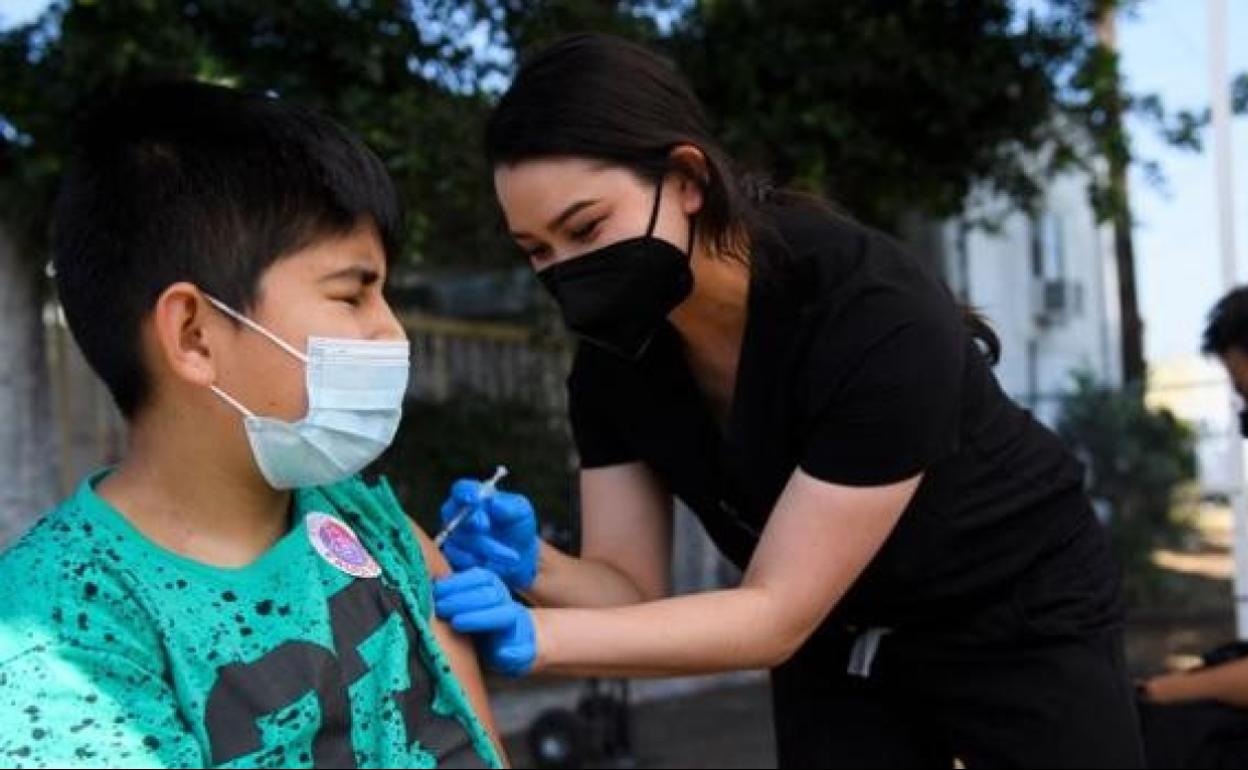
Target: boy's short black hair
x,y
1228,324
186,181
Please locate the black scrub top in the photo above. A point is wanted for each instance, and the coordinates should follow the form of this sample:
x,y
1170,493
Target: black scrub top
x,y
858,368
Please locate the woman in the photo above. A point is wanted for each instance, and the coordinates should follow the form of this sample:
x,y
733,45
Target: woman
x,y
923,574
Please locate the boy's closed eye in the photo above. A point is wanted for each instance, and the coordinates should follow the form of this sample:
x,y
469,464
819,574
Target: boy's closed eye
x,y
351,284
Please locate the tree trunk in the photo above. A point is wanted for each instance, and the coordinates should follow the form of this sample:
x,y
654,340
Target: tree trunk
x,y
1134,367
28,459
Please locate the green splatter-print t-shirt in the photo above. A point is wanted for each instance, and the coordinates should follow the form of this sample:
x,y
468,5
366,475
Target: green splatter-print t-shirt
x,y
115,652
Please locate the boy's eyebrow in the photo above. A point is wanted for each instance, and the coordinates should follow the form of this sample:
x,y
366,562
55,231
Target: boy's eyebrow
x,y
365,275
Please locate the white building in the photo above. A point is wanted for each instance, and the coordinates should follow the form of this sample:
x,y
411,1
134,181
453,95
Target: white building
x,y
1048,286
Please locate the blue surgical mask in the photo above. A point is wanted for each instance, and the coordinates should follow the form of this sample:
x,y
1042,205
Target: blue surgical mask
x,y
355,402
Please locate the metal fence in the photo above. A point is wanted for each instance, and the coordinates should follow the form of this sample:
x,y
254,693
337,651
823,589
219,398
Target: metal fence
x,y
499,362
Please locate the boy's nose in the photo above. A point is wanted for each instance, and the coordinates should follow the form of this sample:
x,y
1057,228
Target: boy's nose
x,y
388,325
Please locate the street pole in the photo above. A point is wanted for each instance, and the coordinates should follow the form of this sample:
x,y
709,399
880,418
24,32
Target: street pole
x,y
1223,166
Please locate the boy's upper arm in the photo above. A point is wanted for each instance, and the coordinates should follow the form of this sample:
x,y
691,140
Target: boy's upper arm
x,y
74,706
458,649
435,562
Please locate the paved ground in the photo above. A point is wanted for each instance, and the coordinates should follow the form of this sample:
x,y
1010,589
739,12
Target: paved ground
x,y
728,728
731,727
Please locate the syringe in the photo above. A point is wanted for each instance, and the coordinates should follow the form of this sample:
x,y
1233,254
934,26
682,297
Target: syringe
x,y
486,492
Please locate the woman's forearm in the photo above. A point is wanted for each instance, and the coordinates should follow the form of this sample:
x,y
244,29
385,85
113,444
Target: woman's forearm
x,y
1227,683
568,581
816,544
734,629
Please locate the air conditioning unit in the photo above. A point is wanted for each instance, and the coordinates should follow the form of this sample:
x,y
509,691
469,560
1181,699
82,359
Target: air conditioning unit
x,y
1056,302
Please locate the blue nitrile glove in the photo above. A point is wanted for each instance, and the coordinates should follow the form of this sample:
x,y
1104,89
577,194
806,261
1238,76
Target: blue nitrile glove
x,y
501,535
477,602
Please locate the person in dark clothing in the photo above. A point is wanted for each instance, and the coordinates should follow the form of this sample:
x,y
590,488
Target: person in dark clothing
x,y
923,573
1199,718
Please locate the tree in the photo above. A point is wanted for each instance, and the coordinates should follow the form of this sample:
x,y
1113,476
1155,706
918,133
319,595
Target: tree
x,y
1138,460
896,108
892,107
1098,101
1101,77
369,64
886,107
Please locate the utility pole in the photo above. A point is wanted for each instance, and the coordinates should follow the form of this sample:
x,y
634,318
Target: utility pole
x,y
1223,169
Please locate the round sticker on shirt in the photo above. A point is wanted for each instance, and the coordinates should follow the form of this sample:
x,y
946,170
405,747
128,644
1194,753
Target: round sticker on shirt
x,y
338,545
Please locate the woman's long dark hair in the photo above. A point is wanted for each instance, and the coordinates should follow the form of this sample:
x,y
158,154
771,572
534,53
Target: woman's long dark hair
x,y
602,97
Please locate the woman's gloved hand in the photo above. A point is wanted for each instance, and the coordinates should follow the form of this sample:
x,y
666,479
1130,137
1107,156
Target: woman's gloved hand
x,y
477,602
499,535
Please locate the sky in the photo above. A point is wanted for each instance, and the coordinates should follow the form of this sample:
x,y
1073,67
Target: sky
x,y
1165,51
18,11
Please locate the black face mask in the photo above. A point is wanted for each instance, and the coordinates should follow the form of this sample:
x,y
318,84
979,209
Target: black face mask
x,y
619,296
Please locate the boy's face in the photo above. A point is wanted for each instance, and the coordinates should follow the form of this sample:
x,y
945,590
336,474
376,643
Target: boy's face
x,y
332,288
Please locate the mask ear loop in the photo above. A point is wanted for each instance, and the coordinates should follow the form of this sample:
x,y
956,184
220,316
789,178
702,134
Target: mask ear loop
x,y
250,324
654,219
654,212
693,229
227,398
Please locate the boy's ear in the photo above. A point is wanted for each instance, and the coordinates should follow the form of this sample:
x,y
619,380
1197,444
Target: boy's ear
x,y
183,323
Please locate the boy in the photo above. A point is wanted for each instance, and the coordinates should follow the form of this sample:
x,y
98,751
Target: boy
x,y
232,594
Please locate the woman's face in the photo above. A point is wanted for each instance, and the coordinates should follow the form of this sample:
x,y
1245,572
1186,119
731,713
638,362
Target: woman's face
x,y
558,209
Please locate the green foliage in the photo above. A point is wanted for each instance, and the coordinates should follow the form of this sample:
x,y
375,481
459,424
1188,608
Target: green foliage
x,y
371,65
466,438
900,107
889,108
1137,459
